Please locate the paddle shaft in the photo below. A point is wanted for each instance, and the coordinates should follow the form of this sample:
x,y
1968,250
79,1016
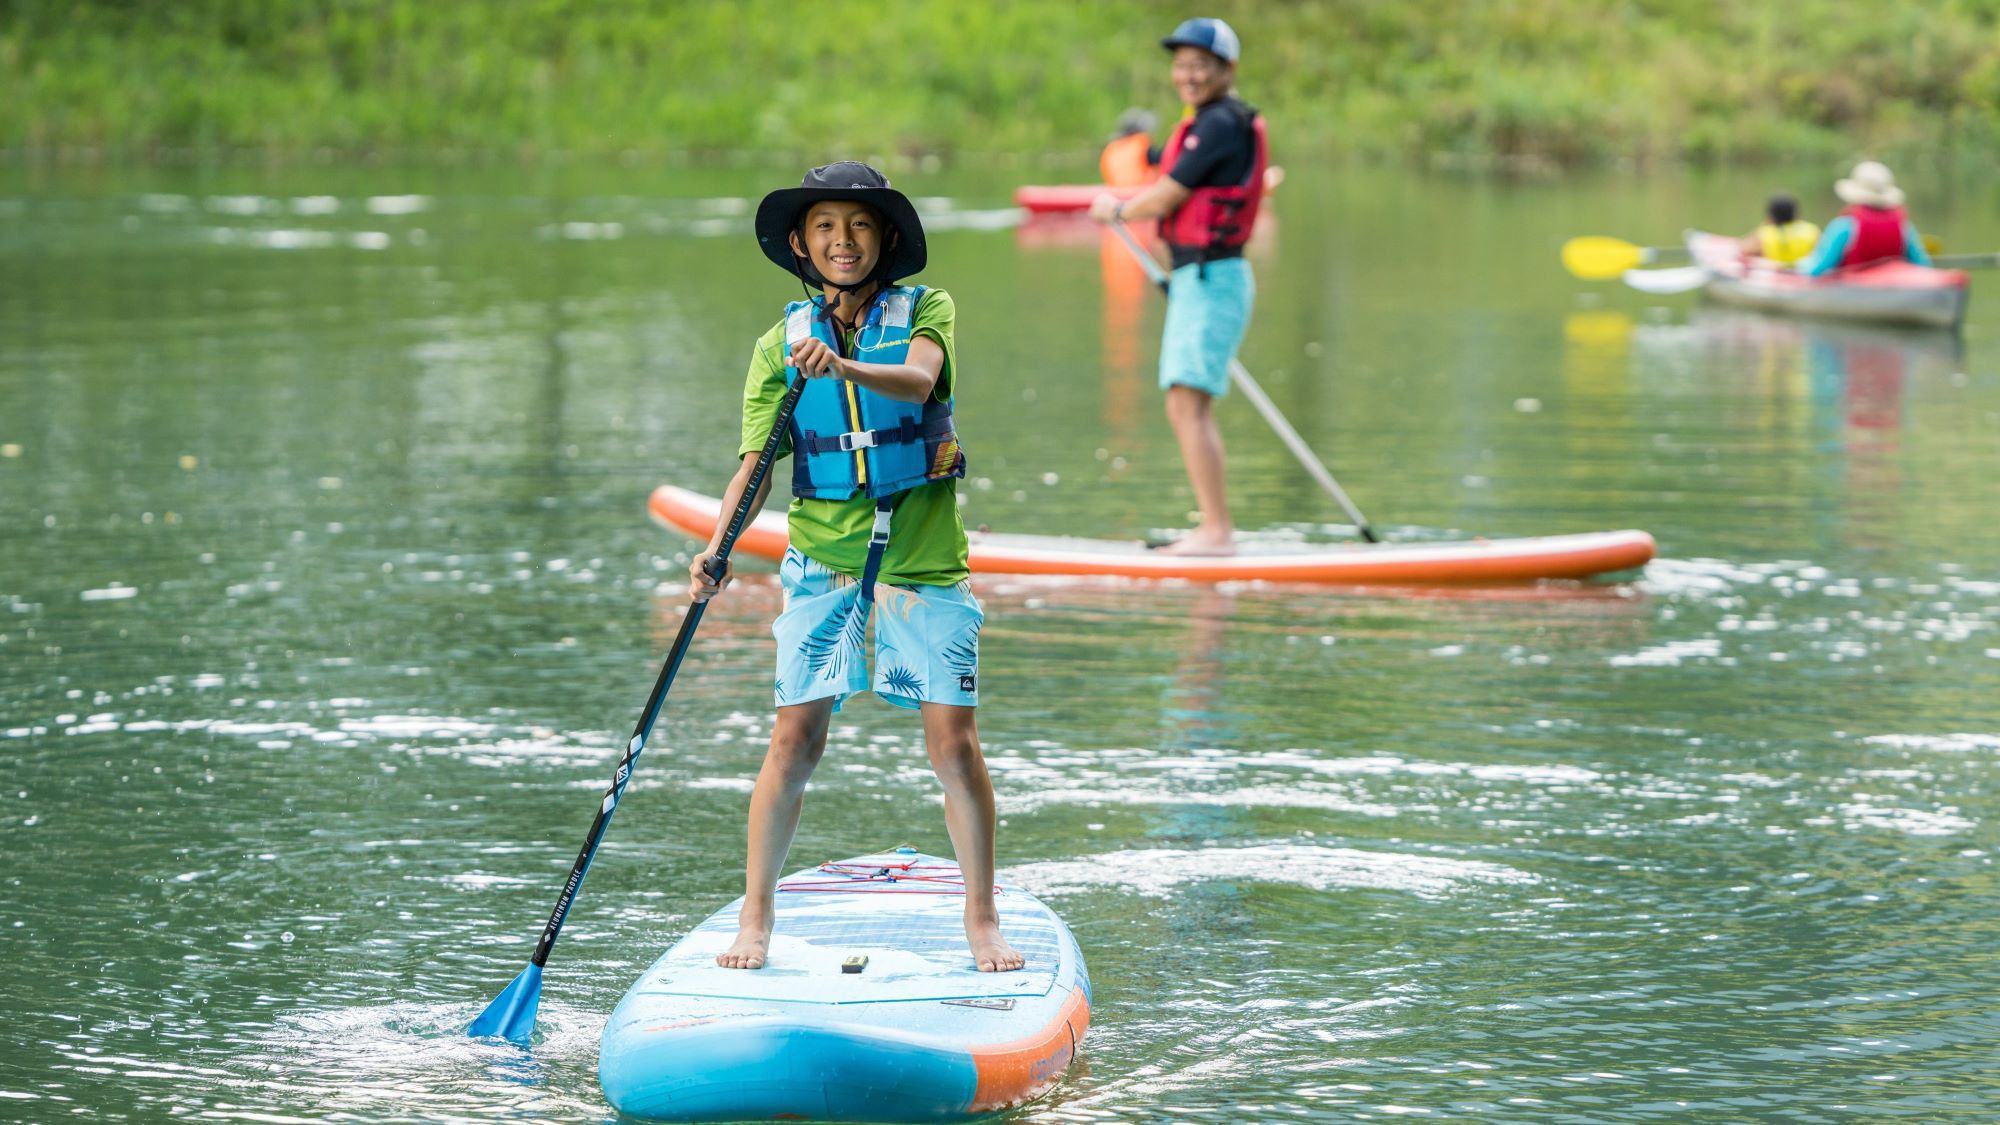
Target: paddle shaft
x,y
1964,261
623,774
1241,377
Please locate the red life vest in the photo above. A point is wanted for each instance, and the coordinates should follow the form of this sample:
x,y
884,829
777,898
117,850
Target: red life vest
x,y
1216,217
1878,234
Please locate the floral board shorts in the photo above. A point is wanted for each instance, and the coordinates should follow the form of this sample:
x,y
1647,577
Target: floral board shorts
x,y
926,639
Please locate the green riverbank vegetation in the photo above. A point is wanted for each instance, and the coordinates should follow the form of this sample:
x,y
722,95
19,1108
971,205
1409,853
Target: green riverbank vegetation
x,y
1553,81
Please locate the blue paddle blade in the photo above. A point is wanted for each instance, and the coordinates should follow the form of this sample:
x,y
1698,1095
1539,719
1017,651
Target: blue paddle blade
x,y
511,1015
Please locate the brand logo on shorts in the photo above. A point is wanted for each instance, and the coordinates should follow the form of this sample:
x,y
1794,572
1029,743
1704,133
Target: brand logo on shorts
x,y
965,683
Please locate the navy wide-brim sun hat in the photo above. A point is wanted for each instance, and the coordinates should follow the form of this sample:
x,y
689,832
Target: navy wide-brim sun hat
x,y
778,216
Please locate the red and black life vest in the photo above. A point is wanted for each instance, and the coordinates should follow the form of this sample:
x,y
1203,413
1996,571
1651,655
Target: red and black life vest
x,y
1878,234
1217,217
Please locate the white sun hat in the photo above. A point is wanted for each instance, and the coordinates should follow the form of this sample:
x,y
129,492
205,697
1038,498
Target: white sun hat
x,y
1871,184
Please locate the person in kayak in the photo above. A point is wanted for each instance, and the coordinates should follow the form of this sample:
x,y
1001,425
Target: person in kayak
x,y
1872,228
874,521
1207,203
1130,159
1783,237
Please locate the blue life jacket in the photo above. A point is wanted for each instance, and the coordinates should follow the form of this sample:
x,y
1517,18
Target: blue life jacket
x,y
846,439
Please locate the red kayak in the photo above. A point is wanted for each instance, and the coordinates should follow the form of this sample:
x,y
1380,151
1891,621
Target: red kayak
x,y
1890,291
1059,199
1065,199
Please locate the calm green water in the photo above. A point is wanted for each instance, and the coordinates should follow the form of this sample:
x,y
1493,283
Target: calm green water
x,y
327,594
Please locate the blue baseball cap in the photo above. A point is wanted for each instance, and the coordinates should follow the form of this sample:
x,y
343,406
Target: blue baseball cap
x,y
1213,36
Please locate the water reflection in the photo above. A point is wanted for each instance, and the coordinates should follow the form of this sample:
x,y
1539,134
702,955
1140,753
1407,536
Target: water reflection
x,y
1122,326
1852,375
1823,385
1758,418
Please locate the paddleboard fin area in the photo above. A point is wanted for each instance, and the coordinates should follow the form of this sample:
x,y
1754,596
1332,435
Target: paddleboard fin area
x,y
868,1008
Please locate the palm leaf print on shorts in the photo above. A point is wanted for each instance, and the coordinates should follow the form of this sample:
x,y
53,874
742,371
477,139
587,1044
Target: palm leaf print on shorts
x,y
836,640
901,681
962,657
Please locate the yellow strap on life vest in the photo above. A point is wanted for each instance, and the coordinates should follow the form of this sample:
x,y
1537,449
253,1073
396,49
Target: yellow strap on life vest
x,y
854,412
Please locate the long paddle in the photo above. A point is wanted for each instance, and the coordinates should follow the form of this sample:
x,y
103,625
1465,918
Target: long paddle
x,y
511,1015
1598,258
1595,257
1261,401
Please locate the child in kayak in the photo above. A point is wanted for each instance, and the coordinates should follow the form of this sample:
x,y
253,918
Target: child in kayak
x,y
1783,238
874,525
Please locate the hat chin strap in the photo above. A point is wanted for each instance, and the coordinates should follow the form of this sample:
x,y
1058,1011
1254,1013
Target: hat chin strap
x,y
809,277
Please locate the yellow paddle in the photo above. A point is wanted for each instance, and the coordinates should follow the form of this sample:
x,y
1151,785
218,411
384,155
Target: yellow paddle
x,y
1595,257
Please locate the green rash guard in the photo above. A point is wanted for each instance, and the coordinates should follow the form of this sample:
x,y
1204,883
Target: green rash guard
x,y
927,536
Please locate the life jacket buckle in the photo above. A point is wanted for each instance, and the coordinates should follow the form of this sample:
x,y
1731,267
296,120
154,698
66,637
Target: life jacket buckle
x,y
859,439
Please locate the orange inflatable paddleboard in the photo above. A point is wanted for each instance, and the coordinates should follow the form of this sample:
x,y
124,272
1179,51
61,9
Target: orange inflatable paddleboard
x,y
1460,562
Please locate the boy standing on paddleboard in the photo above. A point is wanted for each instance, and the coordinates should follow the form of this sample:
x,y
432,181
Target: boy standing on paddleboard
x,y
875,528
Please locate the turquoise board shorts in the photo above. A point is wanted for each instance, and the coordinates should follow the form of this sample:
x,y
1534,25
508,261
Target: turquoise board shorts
x,y
1206,320
926,639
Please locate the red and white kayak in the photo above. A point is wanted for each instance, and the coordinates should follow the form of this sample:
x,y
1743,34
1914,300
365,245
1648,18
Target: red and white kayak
x,y
1056,199
1458,563
1888,292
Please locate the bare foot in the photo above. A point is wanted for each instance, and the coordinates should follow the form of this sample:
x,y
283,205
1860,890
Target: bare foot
x,y
748,950
1199,543
989,950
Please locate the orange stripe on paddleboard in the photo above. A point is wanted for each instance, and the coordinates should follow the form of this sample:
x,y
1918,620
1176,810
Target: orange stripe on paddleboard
x,y
1012,1073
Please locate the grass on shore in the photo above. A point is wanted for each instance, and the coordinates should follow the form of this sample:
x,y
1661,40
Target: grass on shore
x,y
1559,81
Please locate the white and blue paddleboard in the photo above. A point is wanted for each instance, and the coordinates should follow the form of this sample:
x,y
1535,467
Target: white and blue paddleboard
x,y
869,1007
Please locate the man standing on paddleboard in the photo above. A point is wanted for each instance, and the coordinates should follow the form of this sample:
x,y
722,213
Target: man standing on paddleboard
x,y
1206,203
874,526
